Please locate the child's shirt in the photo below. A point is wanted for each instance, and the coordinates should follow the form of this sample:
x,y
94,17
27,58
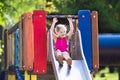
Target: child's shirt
x,y
61,44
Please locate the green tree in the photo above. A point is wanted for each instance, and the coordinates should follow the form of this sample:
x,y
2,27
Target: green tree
x,y
108,10
11,10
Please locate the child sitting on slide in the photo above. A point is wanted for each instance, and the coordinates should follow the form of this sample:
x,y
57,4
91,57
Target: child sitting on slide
x,y
61,37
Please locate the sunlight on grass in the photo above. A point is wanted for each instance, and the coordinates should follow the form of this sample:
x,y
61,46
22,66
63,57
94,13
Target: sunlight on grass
x,y
108,76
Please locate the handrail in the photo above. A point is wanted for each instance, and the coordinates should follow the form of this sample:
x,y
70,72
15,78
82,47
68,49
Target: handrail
x,y
13,29
62,16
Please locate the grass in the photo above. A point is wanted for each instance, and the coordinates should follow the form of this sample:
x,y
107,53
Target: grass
x,y
108,76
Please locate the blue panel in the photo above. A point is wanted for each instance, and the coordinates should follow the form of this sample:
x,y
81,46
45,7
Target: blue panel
x,y
2,75
109,40
16,47
84,24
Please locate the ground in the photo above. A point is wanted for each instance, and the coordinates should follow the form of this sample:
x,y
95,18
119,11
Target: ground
x,y
107,75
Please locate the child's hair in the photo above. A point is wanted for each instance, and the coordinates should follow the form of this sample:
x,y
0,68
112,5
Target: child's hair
x,y
60,26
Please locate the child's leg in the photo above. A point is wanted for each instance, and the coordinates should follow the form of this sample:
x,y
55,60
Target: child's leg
x,y
59,56
67,58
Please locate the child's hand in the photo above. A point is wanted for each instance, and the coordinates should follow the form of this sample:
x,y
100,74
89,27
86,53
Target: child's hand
x,y
55,20
69,18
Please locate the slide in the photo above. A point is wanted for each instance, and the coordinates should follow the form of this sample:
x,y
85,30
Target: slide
x,y
79,69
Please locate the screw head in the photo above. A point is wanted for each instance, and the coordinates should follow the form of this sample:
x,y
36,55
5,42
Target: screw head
x,y
30,67
40,16
94,16
83,16
37,71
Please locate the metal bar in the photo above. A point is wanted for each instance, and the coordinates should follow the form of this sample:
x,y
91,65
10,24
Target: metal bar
x,y
14,28
62,16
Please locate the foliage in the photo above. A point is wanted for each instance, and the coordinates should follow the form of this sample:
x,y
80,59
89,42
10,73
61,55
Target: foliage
x,y
49,7
108,76
109,14
11,10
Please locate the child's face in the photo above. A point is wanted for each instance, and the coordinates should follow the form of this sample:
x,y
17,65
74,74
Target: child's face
x,y
62,33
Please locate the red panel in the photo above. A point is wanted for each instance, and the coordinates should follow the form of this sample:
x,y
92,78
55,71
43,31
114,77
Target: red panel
x,y
28,41
40,42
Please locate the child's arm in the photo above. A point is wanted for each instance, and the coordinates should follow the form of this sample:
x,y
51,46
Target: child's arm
x,y
69,34
52,27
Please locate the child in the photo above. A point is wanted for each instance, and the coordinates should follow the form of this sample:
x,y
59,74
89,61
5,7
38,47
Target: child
x,y
61,38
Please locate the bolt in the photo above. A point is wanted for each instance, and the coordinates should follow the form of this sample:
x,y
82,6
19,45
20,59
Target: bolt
x,y
94,16
40,16
83,16
95,66
43,70
37,71
30,67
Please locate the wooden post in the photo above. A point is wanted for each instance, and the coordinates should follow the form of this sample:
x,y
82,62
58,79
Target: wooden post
x,y
95,46
28,41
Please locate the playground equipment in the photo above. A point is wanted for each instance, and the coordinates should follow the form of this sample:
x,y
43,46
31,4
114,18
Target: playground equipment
x,y
27,50
79,65
109,45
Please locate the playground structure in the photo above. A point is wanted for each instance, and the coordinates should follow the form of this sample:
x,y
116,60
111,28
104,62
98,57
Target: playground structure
x,y
109,45
29,48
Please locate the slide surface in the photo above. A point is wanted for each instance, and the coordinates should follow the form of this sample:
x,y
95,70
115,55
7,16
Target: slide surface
x,y
79,69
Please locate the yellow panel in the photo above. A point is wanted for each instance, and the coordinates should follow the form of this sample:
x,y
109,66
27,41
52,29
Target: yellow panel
x,y
27,76
11,77
33,77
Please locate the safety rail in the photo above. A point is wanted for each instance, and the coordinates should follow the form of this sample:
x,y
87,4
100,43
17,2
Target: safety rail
x,y
11,44
62,16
